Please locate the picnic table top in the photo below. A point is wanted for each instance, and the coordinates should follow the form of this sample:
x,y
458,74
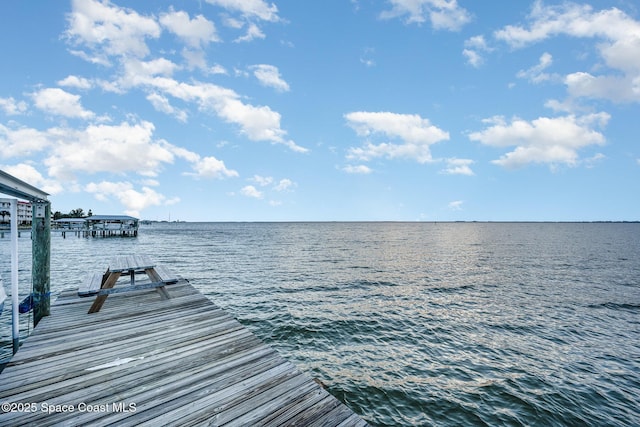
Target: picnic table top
x,y
130,262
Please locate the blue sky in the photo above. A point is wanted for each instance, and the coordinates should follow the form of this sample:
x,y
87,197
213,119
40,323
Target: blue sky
x,y
257,110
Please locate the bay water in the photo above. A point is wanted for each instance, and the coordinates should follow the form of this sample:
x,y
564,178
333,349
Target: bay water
x,y
413,324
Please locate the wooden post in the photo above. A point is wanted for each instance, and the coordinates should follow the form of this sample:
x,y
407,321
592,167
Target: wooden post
x,y
41,250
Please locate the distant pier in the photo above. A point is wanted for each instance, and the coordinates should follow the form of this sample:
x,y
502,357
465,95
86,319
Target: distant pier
x,y
98,226
154,352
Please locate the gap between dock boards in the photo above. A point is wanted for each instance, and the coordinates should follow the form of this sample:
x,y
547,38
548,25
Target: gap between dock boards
x,y
144,359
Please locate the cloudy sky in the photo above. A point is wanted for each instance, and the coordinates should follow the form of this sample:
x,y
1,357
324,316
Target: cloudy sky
x,y
259,110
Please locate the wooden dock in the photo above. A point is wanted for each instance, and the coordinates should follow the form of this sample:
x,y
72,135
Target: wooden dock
x,y
145,360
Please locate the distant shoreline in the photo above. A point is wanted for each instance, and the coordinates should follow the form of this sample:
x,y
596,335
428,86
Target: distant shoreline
x,y
149,222
7,229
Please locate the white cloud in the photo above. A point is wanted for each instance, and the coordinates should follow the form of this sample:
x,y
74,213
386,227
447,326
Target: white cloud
x,y
367,57
12,107
262,181
554,140
210,167
30,175
195,58
249,11
251,191
107,28
284,185
197,32
613,87
233,23
218,69
182,153
417,135
443,14
477,42
258,123
142,73
203,167
116,149
410,127
595,159
93,58
150,182
103,148
161,103
265,181
578,20
357,169
258,9
473,47
618,37
269,75
134,201
458,167
75,82
253,32
22,141
535,74
172,201
367,62
58,102
566,106
456,205
473,58
240,73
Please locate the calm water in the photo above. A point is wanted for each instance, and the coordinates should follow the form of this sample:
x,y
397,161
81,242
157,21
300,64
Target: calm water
x,y
414,323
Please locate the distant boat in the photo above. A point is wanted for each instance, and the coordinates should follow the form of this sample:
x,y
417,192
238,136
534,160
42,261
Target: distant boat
x,y
3,295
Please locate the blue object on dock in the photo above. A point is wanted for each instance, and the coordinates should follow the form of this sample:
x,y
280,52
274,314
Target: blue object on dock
x,y
26,305
3,295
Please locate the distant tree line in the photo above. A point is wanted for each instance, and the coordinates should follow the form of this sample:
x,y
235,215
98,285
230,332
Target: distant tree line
x,y
74,213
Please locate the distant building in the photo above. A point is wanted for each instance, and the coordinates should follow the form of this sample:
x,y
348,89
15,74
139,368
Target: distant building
x,y
25,212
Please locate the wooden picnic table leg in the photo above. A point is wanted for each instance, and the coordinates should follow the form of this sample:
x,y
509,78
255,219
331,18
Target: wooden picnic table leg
x,y
153,276
108,284
151,272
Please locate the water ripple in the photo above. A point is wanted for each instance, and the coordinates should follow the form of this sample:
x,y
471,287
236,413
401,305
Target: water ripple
x,y
421,324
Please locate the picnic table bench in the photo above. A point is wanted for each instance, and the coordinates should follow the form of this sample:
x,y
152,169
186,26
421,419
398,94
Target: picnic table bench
x,y
101,285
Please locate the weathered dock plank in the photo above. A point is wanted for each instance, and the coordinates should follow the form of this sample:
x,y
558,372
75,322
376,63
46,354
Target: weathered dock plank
x,y
146,360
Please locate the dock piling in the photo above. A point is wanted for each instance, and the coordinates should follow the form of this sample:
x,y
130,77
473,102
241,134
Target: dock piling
x,y
41,248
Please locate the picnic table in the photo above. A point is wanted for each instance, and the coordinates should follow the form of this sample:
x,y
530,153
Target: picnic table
x,y
101,285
